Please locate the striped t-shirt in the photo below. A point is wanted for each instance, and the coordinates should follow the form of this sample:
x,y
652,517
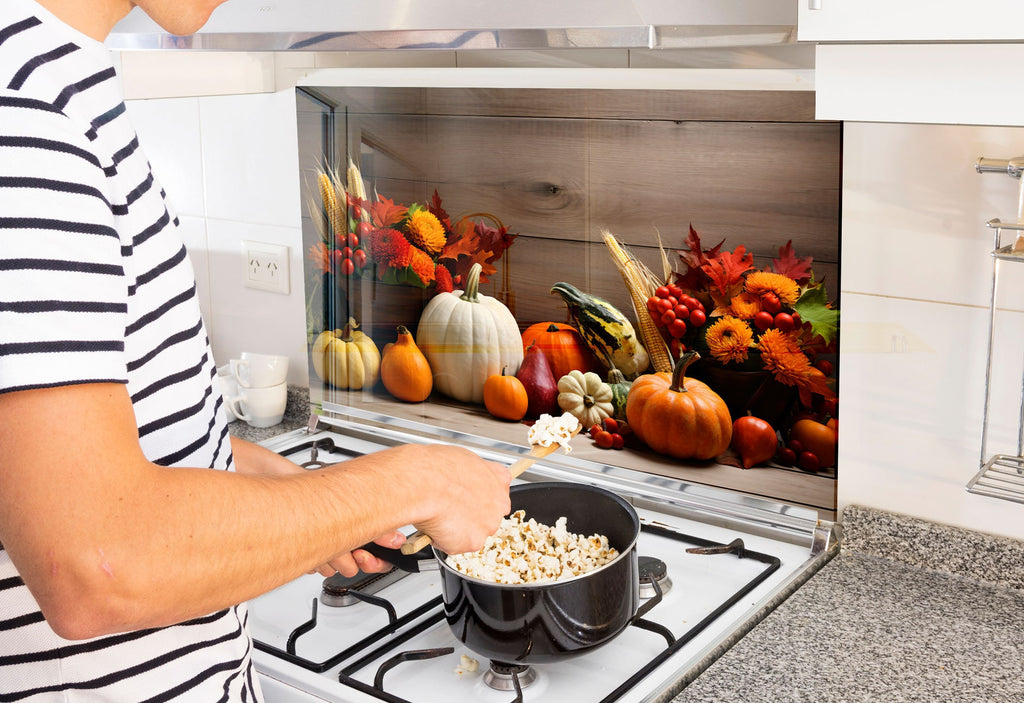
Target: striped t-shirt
x,y
95,286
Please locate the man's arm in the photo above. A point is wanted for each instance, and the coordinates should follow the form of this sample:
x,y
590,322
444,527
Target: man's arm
x,y
107,541
251,458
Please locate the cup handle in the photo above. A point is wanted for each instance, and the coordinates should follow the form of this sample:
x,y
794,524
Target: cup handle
x,y
240,370
235,404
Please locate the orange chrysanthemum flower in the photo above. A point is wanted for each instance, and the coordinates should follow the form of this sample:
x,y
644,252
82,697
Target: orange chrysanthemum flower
x,y
729,339
422,265
781,355
761,282
389,247
745,306
425,231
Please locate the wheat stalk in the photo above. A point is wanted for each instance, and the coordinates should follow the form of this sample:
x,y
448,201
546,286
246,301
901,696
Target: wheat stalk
x,y
640,283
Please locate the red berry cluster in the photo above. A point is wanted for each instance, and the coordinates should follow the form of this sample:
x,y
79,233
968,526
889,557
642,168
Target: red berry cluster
x,y
794,454
349,256
673,310
609,433
771,315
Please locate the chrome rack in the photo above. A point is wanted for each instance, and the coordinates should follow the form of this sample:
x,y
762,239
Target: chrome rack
x,y
1001,475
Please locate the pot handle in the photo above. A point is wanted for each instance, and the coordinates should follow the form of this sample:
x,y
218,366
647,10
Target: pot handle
x,y
423,560
650,603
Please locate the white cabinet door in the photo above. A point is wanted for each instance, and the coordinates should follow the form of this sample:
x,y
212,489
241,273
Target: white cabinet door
x,y
954,83
910,20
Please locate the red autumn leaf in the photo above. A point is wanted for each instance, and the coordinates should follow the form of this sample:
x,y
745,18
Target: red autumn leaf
x,y
789,264
694,278
726,270
475,242
384,212
435,208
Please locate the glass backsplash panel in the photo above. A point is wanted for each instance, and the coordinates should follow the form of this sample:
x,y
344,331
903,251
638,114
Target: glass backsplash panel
x,y
526,182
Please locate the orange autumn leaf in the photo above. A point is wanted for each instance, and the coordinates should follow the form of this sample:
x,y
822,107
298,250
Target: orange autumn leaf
x,y
320,256
384,213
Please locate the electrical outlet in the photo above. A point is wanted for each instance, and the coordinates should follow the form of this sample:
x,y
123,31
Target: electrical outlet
x,y
265,266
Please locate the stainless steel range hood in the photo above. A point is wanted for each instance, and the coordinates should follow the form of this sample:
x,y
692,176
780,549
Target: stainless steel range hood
x,y
367,25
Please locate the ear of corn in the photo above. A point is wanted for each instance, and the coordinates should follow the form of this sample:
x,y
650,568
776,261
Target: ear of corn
x,y
640,283
337,218
355,181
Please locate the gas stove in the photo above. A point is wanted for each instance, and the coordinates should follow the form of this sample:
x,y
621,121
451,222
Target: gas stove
x,y
713,563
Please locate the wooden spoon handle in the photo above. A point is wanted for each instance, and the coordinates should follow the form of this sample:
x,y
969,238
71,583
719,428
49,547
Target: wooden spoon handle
x,y
418,540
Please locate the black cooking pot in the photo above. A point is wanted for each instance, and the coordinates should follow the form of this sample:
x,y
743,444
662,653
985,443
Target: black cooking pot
x,y
543,622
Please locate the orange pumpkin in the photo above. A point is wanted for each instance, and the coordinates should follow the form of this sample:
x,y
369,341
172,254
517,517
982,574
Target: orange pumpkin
x,y
678,416
505,397
404,370
563,347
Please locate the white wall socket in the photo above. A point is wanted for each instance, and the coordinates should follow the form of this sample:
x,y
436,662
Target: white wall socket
x,y
265,266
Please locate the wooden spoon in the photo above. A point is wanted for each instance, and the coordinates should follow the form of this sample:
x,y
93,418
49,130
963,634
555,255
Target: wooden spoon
x,y
418,540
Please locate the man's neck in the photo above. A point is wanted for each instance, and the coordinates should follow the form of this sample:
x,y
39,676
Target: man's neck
x,y
94,18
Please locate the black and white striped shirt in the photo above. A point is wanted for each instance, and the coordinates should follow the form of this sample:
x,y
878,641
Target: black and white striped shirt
x,y
95,286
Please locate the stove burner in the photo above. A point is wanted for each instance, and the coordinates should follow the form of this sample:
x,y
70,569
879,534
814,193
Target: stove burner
x,y
652,567
340,591
502,677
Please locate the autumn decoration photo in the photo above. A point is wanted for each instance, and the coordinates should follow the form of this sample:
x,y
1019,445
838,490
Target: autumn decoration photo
x,y
717,360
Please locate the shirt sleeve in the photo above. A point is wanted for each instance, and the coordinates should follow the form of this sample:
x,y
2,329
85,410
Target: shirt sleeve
x,y
63,289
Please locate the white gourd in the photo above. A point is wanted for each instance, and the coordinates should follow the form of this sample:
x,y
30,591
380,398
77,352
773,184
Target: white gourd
x,y
586,396
468,336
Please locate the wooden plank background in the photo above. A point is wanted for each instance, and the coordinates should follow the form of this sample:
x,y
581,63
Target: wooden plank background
x,y
557,166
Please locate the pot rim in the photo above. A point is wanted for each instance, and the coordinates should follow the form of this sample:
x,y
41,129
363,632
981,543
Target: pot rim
x,y
441,556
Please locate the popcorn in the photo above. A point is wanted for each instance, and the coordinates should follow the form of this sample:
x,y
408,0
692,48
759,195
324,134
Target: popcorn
x,y
525,551
548,430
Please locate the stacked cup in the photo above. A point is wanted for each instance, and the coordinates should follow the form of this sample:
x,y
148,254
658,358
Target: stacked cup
x,y
262,392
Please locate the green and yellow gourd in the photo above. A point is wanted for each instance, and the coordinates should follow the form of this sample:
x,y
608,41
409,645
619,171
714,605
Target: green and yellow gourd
x,y
608,333
620,393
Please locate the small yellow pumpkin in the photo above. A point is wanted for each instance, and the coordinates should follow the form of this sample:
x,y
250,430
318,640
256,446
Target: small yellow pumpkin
x,y
346,358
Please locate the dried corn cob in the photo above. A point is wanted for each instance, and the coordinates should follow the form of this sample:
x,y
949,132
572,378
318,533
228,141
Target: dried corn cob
x,y
355,181
640,283
336,217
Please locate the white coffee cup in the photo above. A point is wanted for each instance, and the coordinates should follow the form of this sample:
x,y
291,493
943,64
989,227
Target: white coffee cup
x,y
260,407
259,370
228,388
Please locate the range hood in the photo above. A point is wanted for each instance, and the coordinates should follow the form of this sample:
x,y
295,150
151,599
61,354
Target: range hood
x,y
367,25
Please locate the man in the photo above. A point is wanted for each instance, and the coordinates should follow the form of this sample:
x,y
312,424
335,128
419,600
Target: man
x,y
124,556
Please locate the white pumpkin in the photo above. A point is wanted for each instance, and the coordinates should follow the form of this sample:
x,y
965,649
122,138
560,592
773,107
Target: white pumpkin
x,y
467,337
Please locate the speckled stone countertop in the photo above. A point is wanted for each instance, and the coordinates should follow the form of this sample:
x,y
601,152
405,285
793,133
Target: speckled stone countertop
x,y
907,611
296,415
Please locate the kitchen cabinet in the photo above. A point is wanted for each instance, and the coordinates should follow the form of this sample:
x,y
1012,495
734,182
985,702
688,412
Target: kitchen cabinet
x,y
921,21
935,62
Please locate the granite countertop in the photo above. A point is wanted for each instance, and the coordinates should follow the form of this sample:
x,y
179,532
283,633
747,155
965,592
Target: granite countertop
x,y
907,611
296,415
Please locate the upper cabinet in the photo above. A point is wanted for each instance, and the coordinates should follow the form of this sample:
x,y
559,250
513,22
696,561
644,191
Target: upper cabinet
x,y
921,61
910,21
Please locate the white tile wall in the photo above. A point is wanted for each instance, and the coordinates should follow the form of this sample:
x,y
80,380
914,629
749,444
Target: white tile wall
x,y
229,165
916,283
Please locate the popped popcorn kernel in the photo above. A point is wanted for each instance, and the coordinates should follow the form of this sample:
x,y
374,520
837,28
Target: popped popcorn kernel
x,y
525,551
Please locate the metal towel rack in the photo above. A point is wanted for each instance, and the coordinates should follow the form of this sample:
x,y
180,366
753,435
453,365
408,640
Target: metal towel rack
x,y
1002,475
